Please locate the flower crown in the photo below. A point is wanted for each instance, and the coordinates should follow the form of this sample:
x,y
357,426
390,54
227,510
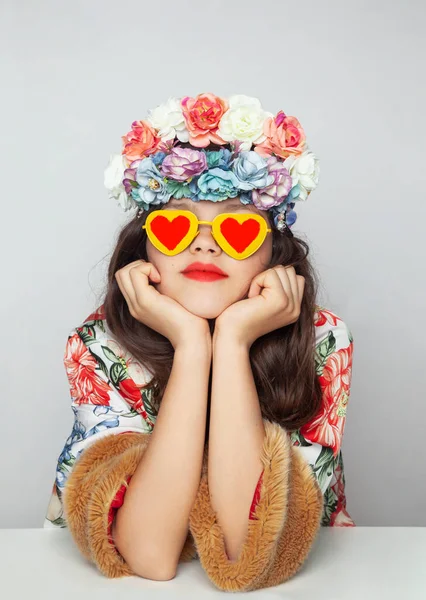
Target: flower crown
x,y
269,164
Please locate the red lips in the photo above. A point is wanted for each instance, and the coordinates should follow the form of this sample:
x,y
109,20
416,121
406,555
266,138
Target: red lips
x,y
204,267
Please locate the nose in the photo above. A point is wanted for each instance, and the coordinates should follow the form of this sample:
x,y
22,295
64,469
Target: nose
x,y
204,241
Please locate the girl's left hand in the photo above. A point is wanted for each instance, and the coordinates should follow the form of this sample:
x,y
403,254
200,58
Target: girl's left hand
x,y
274,299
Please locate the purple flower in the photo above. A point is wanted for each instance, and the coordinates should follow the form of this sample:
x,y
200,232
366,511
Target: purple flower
x,y
129,180
183,163
271,195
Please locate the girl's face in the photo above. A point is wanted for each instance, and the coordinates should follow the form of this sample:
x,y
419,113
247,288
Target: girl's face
x,y
208,299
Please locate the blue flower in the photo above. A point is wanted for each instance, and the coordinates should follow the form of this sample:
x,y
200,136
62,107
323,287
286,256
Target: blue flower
x,y
219,158
246,197
284,210
106,424
291,218
251,169
217,185
158,157
294,193
60,479
101,410
152,188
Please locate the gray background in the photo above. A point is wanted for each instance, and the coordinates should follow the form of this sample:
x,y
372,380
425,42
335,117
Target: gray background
x,y
75,75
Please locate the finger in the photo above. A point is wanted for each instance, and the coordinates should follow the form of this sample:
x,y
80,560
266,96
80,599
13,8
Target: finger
x,y
153,272
129,286
291,275
265,283
297,286
288,287
125,284
301,285
143,292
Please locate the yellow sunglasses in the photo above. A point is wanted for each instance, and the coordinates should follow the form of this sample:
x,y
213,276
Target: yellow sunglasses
x,y
238,234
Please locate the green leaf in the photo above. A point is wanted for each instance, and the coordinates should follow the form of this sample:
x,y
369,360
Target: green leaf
x,y
59,521
149,406
323,351
109,354
102,365
324,466
330,505
68,463
87,334
100,324
296,436
117,373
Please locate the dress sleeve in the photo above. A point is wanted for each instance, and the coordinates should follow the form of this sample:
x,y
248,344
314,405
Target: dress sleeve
x,y
110,434
281,532
320,440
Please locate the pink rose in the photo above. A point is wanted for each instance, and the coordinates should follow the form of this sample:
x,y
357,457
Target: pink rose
x,y
141,141
284,137
202,115
184,163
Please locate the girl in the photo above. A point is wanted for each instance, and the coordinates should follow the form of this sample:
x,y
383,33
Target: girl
x,y
210,354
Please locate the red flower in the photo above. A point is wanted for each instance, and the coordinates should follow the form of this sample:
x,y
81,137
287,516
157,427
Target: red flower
x,y
86,385
328,425
202,115
141,141
99,314
323,316
132,393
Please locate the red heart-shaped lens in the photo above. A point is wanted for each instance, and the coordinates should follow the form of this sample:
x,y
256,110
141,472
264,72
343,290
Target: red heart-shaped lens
x,y
170,233
239,235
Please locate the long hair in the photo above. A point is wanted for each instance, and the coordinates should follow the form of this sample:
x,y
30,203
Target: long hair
x,y
282,361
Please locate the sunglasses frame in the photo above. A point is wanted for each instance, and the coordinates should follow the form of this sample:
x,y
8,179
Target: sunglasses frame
x,y
194,230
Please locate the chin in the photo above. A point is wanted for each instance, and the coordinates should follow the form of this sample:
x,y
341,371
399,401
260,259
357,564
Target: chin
x,y
207,311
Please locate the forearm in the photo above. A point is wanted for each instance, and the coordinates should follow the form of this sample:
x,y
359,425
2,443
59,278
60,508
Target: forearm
x,y
236,436
152,525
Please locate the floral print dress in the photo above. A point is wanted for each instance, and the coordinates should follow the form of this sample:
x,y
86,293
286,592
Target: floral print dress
x,y
107,396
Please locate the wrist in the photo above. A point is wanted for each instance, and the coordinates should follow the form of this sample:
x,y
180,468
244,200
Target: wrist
x,y
196,345
227,339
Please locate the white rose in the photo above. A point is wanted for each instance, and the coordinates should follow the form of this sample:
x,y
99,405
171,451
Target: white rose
x,y
243,121
304,170
168,119
113,181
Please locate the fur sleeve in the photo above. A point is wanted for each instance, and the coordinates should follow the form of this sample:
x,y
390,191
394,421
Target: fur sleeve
x,y
97,476
279,538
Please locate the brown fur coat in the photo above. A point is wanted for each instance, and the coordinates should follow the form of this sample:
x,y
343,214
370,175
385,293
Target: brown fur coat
x,y
287,517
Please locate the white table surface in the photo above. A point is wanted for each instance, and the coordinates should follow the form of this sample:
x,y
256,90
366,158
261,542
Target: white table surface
x,y
359,563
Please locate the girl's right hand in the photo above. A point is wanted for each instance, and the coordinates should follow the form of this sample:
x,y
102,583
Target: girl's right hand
x,y
158,311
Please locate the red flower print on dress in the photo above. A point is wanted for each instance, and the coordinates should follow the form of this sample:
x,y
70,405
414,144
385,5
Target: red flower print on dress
x,y
328,426
322,316
130,391
340,517
99,314
131,387
85,384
